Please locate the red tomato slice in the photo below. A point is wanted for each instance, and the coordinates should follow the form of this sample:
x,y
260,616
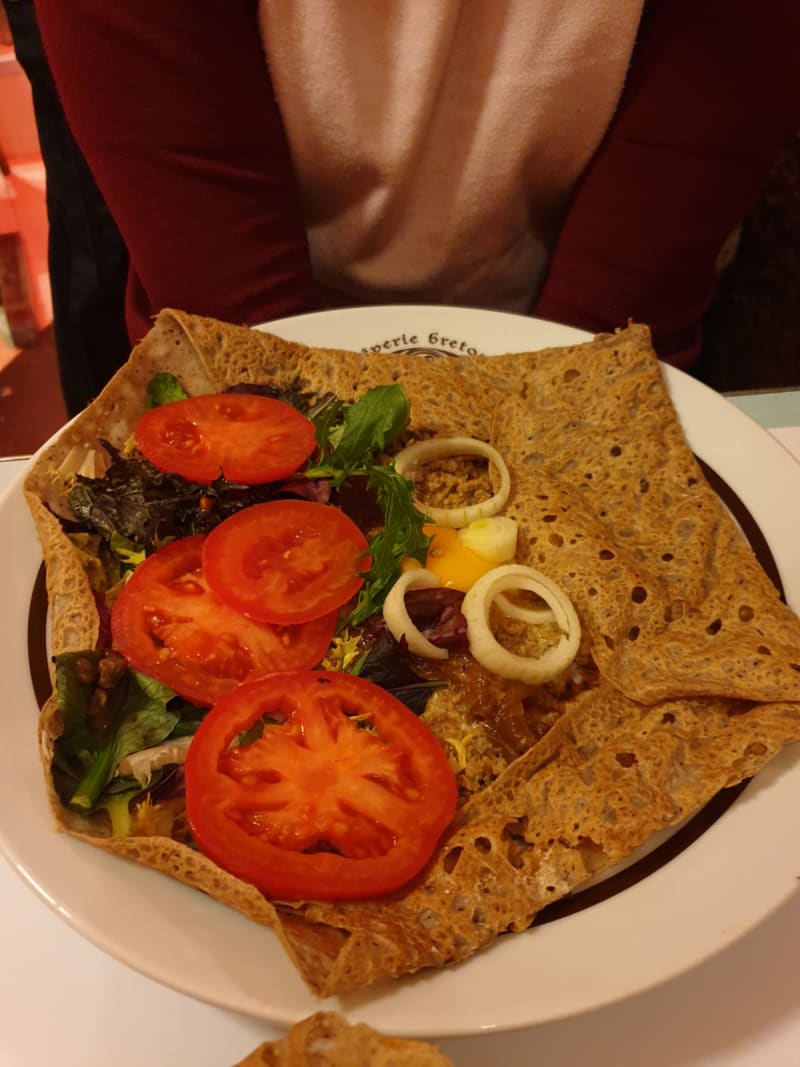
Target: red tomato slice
x,y
286,561
169,625
343,796
251,439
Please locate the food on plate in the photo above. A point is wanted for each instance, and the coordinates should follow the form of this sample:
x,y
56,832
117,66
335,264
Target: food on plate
x,y
242,436
411,459
168,623
357,789
326,1039
286,561
628,661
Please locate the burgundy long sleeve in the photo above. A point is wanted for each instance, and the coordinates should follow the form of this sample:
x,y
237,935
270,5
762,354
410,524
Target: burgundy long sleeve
x,y
189,150
712,93
173,108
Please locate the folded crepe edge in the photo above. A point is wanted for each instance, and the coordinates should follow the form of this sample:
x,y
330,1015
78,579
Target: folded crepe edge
x,y
328,1038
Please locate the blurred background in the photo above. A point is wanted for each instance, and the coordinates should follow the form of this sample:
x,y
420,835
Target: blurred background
x,y
752,332
31,406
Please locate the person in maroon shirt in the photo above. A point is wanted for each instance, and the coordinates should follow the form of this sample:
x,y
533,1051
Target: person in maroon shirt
x,y
173,108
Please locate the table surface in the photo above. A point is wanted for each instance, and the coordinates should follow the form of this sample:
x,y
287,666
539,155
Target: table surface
x,y
64,998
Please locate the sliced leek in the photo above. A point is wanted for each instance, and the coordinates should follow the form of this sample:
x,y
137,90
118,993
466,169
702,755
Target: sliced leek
x,y
532,616
422,452
493,538
488,651
399,622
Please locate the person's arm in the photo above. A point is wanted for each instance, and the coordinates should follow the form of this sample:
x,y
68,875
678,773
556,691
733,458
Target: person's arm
x,y
709,103
173,108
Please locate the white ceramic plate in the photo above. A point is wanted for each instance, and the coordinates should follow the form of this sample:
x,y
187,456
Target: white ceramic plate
x,y
729,879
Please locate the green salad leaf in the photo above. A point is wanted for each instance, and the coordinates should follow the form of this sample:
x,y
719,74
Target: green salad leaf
x,y
351,439
370,424
164,388
350,436
402,535
117,803
129,554
136,716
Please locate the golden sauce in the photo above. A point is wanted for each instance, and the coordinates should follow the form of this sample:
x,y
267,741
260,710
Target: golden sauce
x,y
514,713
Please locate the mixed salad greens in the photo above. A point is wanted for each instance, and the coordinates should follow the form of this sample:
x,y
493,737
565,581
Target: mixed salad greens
x,y
112,712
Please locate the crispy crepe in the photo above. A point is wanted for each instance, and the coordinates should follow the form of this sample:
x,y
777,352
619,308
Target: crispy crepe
x,y
326,1039
698,659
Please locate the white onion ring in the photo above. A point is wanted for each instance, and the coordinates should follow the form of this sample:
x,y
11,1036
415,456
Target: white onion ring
x,y
532,616
421,452
399,622
488,651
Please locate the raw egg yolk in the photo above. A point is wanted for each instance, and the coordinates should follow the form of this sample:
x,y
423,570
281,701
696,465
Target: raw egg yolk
x,y
456,567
